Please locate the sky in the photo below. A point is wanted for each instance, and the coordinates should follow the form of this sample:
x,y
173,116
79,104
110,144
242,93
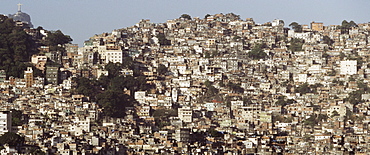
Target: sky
x,y
81,19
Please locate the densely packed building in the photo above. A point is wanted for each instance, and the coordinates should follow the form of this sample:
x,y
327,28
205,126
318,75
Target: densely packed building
x,y
214,97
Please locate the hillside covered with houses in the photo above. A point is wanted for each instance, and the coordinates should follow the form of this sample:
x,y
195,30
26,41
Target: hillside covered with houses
x,y
213,85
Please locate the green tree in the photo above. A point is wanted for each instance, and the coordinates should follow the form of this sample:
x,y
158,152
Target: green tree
x,y
215,133
207,83
210,94
247,101
16,48
257,52
163,40
114,103
296,44
55,39
296,27
162,69
17,117
235,87
282,101
186,16
207,55
303,89
128,63
314,119
346,26
206,16
355,97
85,87
113,69
162,116
12,139
327,40
334,113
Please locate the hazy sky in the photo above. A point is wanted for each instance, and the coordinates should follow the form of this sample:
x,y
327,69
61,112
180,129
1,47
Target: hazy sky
x,y
82,19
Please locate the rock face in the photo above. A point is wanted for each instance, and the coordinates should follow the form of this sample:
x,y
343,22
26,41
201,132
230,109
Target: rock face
x,y
21,16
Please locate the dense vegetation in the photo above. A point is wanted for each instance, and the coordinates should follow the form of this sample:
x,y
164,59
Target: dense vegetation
x,y
55,39
108,91
296,27
16,47
296,44
344,28
12,139
257,52
163,40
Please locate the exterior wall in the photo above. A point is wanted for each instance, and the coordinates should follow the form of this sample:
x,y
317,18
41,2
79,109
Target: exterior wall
x,y
185,114
340,109
317,26
5,122
348,67
28,76
114,56
182,135
52,75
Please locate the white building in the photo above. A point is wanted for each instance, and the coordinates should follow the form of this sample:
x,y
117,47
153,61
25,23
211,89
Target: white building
x,y
140,96
340,109
348,67
185,114
5,122
114,56
277,22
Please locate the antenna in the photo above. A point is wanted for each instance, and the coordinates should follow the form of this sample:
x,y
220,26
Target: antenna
x,y
19,7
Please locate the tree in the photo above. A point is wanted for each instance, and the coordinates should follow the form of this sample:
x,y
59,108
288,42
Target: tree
x,y
247,100
314,119
16,48
206,16
16,117
113,69
346,26
186,16
215,133
162,69
303,89
211,93
327,40
355,97
352,24
334,113
296,27
163,40
282,101
162,116
12,139
128,63
235,87
86,87
296,44
257,52
55,39
114,103
207,83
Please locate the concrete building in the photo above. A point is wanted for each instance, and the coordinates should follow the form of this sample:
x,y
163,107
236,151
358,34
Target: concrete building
x,y
2,75
52,75
348,67
182,135
277,22
5,122
114,55
185,114
316,26
28,77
